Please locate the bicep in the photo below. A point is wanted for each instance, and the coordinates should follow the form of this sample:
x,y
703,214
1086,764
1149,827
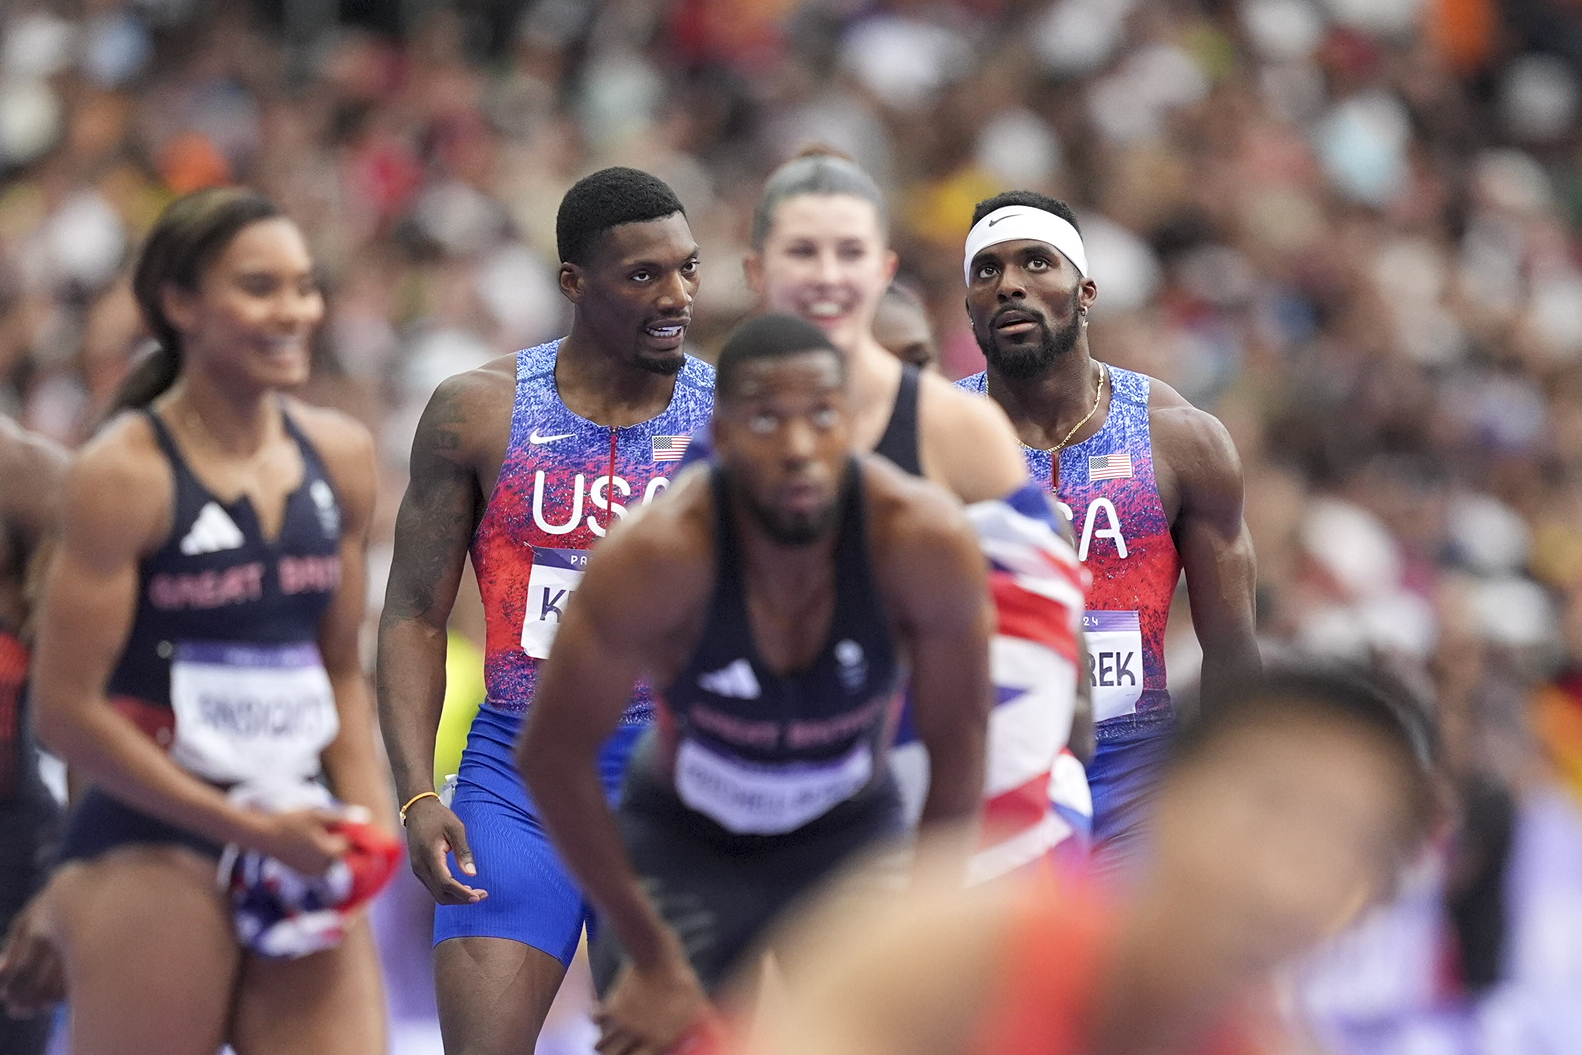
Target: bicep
x,y
1213,540
433,529
89,600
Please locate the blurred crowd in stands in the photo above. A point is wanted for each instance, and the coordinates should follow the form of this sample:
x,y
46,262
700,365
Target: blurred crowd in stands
x,y
1350,228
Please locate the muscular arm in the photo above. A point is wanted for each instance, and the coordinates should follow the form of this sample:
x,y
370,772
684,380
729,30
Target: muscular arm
x,y
116,507
1212,539
624,620
352,760
461,436
968,445
936,583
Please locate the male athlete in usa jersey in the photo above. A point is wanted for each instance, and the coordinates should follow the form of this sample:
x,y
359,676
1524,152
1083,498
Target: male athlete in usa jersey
x,y
526,463
1153,487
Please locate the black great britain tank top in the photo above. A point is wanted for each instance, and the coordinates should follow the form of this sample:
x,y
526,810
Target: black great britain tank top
x,y
900,442
765,753
218,579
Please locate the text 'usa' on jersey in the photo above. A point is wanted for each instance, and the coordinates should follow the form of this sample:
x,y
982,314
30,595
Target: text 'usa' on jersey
x,y
1108,490
563,482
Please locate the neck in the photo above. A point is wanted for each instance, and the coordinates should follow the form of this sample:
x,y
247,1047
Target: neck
x,y
604,388
237,422
1045,407
1166,987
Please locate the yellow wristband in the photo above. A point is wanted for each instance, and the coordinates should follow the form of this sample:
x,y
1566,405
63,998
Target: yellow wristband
x,y
413,799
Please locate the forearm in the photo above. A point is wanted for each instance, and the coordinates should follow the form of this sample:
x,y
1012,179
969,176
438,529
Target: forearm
x,y
1226,662
105,748
352,760
411,693
570,796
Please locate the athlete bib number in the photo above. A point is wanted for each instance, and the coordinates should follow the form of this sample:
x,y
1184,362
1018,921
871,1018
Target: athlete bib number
x,y
554,578
1115,662
752,799
250,712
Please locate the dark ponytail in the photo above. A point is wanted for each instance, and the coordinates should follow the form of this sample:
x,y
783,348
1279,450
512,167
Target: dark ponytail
x,y
188,236
815,170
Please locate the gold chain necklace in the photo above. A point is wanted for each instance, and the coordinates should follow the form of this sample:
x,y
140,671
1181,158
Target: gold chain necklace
x,y
1098,397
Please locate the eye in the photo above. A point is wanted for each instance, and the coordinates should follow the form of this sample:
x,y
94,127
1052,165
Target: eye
x,y
762,423
1039,263
985,271
641,275
853,251
256,285
825,418
690,267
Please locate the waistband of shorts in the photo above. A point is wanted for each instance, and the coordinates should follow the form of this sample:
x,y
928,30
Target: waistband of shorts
x,y
1128,727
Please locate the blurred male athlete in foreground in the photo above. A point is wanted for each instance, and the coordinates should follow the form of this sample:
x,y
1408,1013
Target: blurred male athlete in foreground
x,y
1152,485
1291,806
777,599
528,461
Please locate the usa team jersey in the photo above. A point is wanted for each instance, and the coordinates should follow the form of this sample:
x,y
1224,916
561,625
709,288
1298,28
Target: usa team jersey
x,y
1108,490
563,482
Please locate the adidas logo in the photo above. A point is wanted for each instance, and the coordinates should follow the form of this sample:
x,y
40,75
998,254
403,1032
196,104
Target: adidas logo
x,y
212,532
735,680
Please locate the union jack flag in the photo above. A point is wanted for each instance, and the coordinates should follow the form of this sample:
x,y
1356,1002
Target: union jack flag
x,y
670,448
1110,466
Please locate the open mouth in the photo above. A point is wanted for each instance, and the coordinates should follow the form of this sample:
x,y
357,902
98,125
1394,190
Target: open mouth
x,y
1014,321
667,331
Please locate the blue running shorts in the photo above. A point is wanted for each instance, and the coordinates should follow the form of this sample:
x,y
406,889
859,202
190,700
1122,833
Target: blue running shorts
x,y
532,898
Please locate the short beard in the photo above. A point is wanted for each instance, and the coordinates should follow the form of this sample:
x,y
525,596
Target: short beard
x,y
667,367
799,532
1024,363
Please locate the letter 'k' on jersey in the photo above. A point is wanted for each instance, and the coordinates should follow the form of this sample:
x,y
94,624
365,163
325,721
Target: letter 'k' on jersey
x,y
1108,489
563,482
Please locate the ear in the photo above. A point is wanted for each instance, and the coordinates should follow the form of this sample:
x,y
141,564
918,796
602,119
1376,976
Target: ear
x,y
892,264
1087,293
180,307
753,271
572,282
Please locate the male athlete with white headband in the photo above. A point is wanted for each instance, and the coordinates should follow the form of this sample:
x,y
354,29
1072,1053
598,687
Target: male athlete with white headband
x,y
1153,487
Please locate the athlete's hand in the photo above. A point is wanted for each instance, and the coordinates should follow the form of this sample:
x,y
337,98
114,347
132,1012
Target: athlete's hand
x,y
32,977
650,1012
431,830
307,840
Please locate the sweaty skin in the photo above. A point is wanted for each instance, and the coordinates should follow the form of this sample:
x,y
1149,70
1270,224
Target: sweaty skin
x,y
641,272
641,607
1198,470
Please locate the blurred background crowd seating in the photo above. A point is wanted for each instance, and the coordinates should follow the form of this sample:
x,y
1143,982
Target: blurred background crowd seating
x,y
1350,228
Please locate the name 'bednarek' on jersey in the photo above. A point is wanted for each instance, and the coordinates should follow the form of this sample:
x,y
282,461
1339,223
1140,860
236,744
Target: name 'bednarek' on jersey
x,y
564,481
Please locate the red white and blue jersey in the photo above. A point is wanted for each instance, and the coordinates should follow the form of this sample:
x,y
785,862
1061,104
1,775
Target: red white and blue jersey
x,y
1108,490
563,482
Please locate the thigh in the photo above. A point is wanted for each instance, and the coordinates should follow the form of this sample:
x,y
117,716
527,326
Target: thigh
x,y
329,1001
150,956
493,994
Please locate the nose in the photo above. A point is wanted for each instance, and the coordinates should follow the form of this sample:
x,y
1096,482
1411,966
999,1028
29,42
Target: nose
x,y
1010,286
828,266
799,442
674,293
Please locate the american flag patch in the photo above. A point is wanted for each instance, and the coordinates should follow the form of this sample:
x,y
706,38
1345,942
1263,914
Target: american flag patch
x,y
670,448
1110,466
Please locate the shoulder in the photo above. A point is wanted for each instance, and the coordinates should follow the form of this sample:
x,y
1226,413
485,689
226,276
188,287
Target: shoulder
x,y
1186,436
975,384
343,443
968,442
912,516
119,488
662,550
469,414
33,467
696,373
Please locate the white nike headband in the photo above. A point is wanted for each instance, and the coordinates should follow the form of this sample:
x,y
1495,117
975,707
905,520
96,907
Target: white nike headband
x,y
1012,223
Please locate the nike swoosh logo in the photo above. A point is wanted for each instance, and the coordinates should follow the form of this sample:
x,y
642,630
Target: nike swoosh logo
x,y
536,439
1013,216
